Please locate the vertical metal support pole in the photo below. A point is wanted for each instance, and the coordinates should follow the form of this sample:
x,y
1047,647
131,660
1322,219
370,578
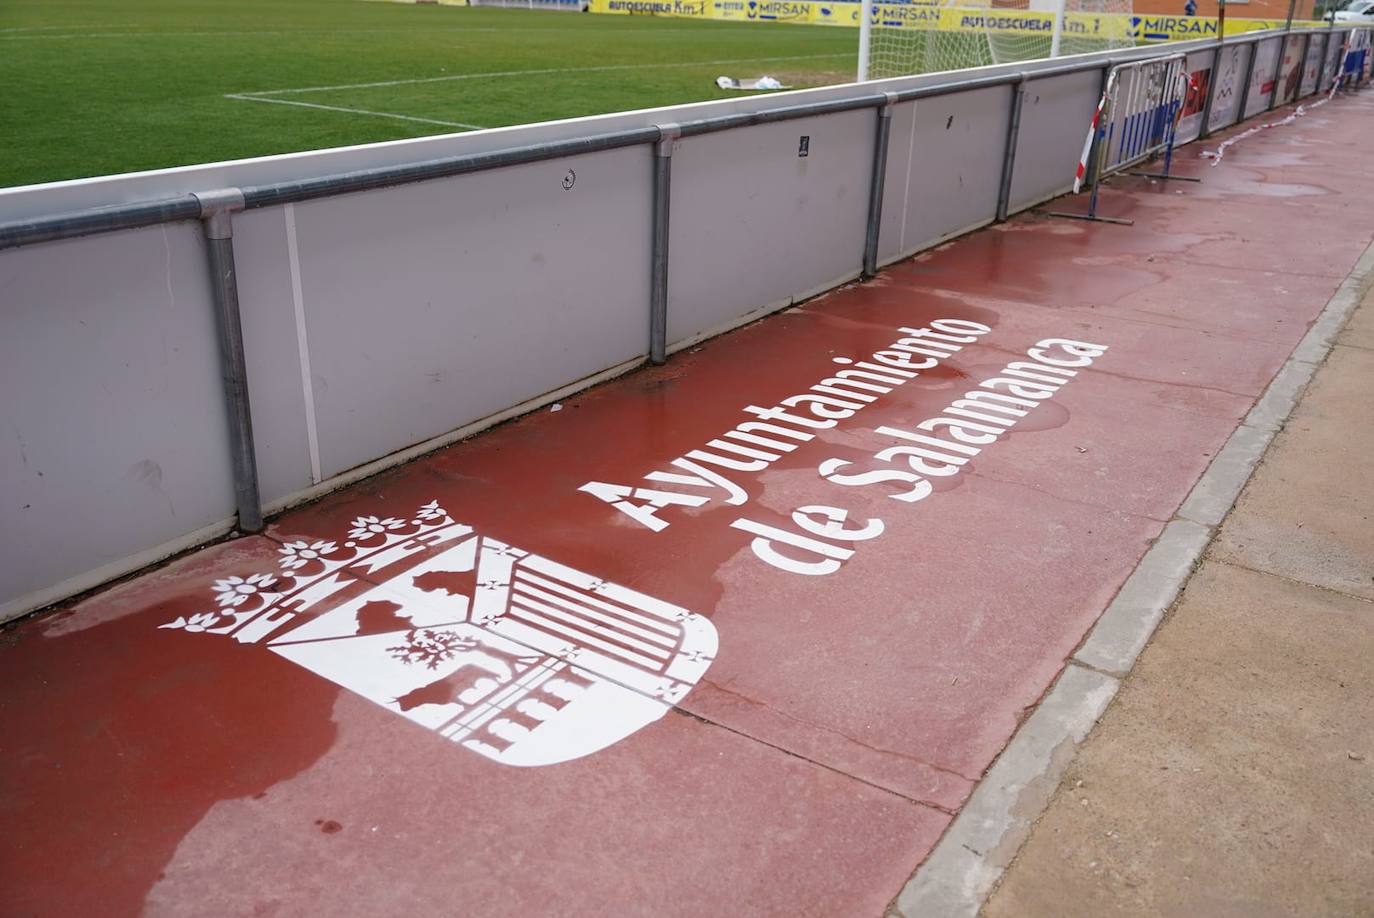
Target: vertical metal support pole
x,y
1342,53
1212,76
1278,72
1171,108
1245,84
1302,59
1302,65
1359,71
1360,78
1100,135
1099,147
1108,116
875,186
1326,56
658,268
1018,100
216,212
1211,89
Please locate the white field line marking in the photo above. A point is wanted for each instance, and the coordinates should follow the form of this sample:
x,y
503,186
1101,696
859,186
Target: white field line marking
x,y
519,73
262,95
352,111
48,28
723,31
81,35
198,34
312,435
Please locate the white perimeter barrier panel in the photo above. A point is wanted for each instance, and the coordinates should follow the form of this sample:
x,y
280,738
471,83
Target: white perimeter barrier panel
x,y
184,351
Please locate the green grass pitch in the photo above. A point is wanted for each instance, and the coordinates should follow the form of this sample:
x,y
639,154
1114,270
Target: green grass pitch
x,y
94,87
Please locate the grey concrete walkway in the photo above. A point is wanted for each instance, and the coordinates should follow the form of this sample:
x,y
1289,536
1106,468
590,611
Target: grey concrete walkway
x,y
1234,773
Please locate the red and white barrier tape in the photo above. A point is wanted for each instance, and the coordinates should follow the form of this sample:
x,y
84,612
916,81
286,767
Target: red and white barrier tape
x,y
1215,155
1087,147
1092,130
1188,84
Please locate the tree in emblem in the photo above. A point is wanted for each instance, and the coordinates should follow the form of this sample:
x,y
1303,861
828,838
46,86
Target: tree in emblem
x,y
431,647
490,667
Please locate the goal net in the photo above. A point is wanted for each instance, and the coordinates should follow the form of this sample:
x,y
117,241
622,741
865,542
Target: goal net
x,y
925,36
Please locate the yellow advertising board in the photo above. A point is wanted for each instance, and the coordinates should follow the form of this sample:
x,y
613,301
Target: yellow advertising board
x,y
933,17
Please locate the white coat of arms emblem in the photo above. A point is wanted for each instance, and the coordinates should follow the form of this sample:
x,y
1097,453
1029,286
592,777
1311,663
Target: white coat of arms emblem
x,y
507,653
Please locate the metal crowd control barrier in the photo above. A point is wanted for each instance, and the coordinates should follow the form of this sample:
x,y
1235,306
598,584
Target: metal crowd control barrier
x,y
1136,119
1354,69
1143,99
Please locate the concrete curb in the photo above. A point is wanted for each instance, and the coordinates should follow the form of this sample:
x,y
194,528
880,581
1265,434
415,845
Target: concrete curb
x,y
962,870
1217,489
1283,393
1123,630
989,830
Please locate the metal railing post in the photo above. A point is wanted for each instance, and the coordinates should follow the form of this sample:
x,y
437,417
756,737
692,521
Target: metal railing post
x,y
1171,108
875,186
1099,136
1302,65
1212,76
1245,84
1342,51
1203,130
1278,72
1283,49
658,268
1360,78
1326,56
1018,100
216,213
1102,151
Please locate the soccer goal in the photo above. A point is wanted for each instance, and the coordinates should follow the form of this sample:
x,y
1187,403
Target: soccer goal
x,y
901,38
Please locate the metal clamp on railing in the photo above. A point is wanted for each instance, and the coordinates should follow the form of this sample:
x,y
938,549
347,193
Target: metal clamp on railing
x,y
1136,119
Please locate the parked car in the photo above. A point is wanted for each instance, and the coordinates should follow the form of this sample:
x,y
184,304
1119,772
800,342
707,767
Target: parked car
x,y
1355,11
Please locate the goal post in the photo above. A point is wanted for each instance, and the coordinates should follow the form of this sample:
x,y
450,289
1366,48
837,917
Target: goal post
x,y
1058,35
866,11
904,37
